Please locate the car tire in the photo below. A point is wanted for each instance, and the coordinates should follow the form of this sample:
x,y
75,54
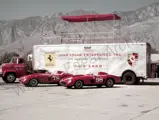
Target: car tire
x,y
78,84
109,83
9,78
33,83
129,78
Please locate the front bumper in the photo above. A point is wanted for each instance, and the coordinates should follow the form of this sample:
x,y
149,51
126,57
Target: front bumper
x,y
23,81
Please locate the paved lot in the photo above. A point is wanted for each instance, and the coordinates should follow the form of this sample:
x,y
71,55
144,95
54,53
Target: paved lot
x,y
51,102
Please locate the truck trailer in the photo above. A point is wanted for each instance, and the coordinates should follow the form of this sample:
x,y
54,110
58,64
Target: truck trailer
x,y
130,61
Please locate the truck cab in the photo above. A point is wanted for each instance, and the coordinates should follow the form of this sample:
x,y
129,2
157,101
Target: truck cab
x,y
14,69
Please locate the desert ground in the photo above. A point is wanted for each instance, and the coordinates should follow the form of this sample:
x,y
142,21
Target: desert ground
x,y
52,102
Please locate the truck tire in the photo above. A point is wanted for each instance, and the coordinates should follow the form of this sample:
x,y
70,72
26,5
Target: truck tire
x,y
9,78
129,78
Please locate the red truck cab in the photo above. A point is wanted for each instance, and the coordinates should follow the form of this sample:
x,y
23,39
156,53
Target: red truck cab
x,y
14,69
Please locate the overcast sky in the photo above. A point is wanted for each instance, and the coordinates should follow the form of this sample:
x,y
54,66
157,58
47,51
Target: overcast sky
x,y
15,9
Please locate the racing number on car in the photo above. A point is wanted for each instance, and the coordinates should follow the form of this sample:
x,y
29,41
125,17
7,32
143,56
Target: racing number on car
x,y
99,80
55,78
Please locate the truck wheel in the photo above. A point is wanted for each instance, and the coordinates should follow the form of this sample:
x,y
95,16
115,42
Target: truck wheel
x,y
129,78
78,84
109,83
10,78
33,83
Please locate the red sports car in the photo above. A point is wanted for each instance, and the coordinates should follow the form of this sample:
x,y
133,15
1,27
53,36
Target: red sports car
x,y
33,80
78,81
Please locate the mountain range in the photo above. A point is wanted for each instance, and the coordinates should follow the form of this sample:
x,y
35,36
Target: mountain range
x,y
136,25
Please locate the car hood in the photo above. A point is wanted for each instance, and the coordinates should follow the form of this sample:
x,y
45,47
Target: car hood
x,y
7,65
74,76
78,75
33,75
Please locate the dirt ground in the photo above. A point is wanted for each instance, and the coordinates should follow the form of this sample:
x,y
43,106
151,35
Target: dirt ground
x,y
52,102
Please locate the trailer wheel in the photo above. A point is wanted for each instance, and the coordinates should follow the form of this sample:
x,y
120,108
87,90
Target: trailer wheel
x,y
129,78
9,78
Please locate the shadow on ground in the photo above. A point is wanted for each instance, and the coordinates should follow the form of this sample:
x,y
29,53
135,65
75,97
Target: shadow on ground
x,y
94,87
143,83
149,83
48,85
89,87
3,83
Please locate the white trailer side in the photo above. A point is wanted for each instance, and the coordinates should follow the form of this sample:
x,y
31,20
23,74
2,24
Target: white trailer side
x,y
130,61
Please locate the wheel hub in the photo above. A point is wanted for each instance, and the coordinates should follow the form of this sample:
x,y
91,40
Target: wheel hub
x,y
33,82
10,78
129,78
78,84
109,82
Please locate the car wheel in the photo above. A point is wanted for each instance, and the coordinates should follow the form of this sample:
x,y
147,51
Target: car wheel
x,y
78,84
9,78
33,82
109,83
129,78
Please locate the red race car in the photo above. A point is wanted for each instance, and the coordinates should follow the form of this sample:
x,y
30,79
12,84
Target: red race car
x,y
33,80
78,81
